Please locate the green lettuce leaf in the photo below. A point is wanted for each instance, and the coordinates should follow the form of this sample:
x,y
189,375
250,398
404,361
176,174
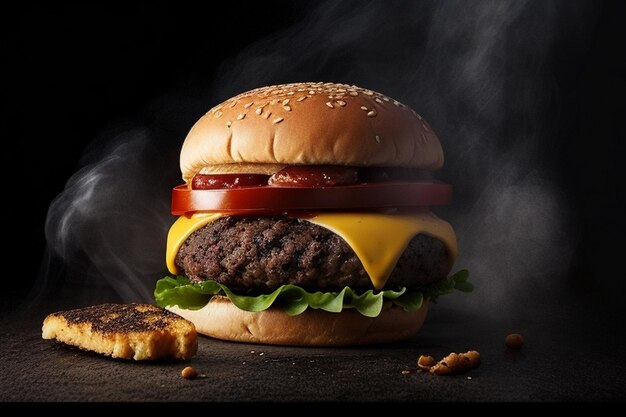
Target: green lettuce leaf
x,y
295,300
458,281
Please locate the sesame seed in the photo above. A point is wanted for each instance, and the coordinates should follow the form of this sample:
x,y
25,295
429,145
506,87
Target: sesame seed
x,y
291,93
418,116
364,108
312,92
371,113
241,116
354,93
259,111
330,97
267,115
301,98
341,103
397,103
277,120
369,93
285,102
329,104
301,89
377,139
247,106
229,123
378,100
425,126
218,114
287,108
233,103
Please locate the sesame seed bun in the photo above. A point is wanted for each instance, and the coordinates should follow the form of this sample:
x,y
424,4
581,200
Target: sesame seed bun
x,y
221,319
263,130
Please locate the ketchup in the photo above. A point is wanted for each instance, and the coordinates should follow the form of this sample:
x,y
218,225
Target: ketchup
x,y
227,181
314,176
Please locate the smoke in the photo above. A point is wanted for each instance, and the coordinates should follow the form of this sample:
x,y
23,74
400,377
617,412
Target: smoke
x,y
480,72
492,98
111,220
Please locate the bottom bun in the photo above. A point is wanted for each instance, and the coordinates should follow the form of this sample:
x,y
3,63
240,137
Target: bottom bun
x,y
221,319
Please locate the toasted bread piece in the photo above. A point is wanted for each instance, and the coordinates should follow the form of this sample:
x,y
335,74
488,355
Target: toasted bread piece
x,y
128,331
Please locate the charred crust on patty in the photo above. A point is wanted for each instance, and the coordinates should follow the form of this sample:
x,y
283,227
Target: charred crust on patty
x,y
251,254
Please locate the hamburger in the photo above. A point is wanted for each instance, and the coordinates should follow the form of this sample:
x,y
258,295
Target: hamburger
x,y
305,219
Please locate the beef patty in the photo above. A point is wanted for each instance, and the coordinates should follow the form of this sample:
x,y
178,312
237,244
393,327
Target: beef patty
x,y
259,254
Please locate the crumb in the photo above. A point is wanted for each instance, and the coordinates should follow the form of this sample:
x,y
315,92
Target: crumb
x,y
514,341
426,362
188,373
457,363
454,363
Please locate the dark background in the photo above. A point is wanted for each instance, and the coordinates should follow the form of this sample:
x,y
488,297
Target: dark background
x,y
76,75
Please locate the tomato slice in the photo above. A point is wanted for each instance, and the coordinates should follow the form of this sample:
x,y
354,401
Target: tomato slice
x,y
261,200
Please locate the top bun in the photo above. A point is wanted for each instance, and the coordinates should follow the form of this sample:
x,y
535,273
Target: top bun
x,y
263,130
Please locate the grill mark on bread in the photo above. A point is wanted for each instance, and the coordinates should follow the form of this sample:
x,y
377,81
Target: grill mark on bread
x,y
116,318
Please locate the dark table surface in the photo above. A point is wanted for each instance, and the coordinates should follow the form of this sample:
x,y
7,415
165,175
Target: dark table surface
x,y
570,355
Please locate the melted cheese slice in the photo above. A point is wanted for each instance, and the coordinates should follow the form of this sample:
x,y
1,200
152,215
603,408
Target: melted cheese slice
x,y
377,239
180,231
